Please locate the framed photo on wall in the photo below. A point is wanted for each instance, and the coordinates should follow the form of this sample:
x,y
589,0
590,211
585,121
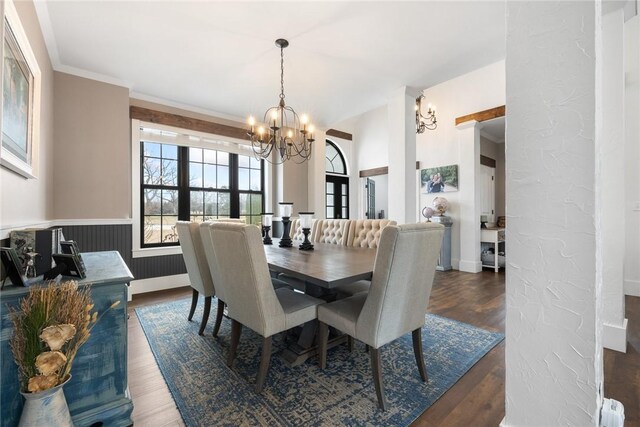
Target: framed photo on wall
x,y
21,80
442,179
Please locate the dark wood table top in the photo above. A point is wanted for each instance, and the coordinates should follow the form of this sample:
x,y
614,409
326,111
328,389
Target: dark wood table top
x,y
326,266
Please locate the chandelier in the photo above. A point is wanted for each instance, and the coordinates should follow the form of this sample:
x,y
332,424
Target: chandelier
x,y
291,136
429,121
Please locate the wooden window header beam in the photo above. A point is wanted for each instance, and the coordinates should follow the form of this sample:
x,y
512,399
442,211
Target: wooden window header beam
x,y
339,134
169,119
384,170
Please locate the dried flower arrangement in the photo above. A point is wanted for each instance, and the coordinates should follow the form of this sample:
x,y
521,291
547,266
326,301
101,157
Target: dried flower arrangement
x,y
50,326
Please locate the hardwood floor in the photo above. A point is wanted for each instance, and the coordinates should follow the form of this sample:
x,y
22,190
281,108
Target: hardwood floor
x,y
476,400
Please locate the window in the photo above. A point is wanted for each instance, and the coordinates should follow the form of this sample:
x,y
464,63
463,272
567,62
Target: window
x,y
195,184
337,183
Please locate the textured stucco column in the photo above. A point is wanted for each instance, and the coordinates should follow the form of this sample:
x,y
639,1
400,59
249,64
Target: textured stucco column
x,y
610,184
469,197
277,183
553,344
403,186
316,176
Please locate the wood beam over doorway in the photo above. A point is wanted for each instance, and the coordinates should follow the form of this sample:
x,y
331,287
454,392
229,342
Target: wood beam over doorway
x,y
483,116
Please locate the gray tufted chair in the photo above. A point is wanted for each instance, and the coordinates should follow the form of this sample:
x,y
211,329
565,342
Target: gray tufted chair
x,y
330,231
363,233
242,275
397,301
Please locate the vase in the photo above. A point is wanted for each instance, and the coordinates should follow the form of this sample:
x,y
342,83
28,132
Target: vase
x,y
46,408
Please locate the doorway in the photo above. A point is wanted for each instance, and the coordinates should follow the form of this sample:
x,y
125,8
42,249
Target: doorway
x,y
337,197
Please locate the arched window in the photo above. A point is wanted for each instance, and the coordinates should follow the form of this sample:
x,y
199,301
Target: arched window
x,y
337,183
334,162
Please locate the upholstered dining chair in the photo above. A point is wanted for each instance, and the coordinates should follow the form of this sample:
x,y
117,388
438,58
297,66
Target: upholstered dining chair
x,y
241,273
205,241
363,233
397,301
197,268
330,231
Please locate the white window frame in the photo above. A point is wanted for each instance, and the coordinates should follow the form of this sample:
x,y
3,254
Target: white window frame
x,y
184,137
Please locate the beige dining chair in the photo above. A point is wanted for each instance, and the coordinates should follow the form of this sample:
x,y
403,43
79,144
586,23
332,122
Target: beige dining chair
x,y
197,268
194,252
363,233
332,231
397,301
241,273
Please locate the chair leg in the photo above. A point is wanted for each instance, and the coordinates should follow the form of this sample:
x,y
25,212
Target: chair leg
x,y
323,336
236,330
194,304
219,314
350,343
205,315
417,351
376,367
265,359
366,348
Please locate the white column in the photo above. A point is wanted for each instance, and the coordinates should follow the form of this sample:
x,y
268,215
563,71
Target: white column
x,y
403,186
316,177
610,184
553,339
469,196
632,156
277,183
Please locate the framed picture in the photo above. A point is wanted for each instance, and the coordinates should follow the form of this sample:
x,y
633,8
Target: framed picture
x,y
21,81
442,179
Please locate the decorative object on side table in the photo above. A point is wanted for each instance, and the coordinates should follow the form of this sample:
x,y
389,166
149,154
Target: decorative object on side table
x,y
50,325
441,205
502,221
285,212
267,220
306,220
428,212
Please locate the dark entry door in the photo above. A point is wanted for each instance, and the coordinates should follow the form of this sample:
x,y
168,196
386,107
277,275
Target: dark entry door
x,y
337,197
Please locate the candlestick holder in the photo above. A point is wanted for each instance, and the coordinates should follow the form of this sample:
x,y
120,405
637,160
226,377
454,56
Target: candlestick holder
x,y
306,244
267,219
285,241
267,239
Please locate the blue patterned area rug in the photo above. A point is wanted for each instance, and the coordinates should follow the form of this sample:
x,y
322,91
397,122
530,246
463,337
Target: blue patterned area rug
x,y
208,393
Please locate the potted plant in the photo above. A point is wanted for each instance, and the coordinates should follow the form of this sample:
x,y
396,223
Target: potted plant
x,y
50,325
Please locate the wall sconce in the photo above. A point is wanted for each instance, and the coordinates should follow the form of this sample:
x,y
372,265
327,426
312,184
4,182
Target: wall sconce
x,y
427,121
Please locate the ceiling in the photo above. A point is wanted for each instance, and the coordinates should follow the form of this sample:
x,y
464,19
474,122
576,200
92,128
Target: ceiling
x,y
494,129
345,58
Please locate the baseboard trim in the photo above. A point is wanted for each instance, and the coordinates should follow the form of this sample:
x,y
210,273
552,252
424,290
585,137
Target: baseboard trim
x,y
470,266
615,337
158,284
632,287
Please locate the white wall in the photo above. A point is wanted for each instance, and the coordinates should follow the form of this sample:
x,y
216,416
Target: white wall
x,y
478,90
632,156
553,337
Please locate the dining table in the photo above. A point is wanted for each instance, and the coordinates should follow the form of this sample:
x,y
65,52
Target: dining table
x,y
322,269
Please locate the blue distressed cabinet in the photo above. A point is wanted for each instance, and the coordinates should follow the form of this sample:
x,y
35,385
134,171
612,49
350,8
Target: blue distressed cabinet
x,y
97,392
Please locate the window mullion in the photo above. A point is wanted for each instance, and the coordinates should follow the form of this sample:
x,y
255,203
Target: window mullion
x,y
184,198
233,185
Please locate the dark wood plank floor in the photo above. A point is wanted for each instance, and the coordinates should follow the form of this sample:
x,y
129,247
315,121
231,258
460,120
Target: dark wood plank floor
x,y
476,400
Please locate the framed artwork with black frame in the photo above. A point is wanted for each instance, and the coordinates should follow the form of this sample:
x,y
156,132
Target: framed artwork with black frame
x,y
12,267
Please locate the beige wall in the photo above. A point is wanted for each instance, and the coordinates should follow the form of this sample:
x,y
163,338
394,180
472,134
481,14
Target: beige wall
x,y
92,158
28,201
295,185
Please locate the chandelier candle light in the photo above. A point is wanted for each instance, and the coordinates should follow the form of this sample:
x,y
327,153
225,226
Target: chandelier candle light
x,y
267,220
306,220
428,121
285,212
290,135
